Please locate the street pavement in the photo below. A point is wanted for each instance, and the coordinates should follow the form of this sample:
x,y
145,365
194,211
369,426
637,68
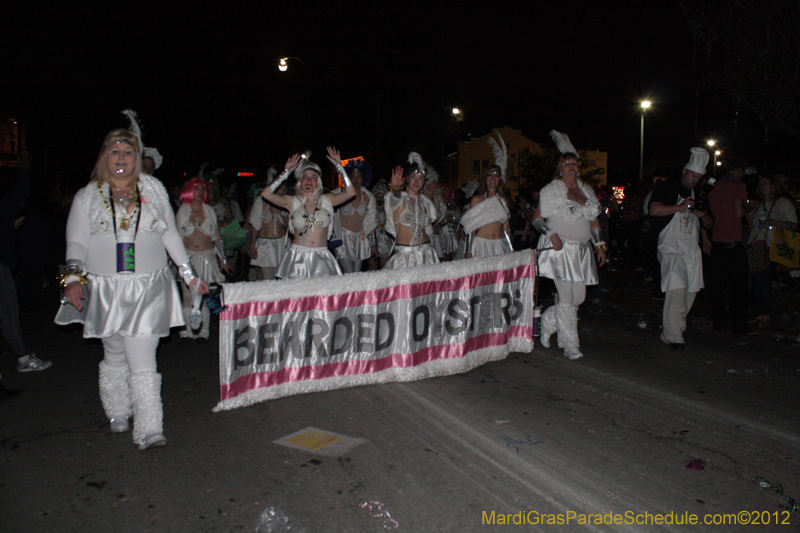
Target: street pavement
x,y
632,430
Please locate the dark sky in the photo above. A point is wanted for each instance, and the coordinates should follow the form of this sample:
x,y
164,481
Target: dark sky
x,y
203,77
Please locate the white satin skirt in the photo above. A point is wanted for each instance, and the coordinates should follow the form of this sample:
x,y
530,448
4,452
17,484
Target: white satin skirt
x,y
270,252
355,246
411,256
206,265
575,262
489,247
308,262
133,305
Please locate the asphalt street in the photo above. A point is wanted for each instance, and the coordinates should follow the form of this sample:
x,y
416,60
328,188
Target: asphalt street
x,y
632,430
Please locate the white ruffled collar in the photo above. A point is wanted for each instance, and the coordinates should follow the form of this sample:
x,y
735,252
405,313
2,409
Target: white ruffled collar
x,y
154,206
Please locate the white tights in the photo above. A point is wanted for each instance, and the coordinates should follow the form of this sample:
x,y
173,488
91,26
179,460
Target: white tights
x,y
137,353
570,293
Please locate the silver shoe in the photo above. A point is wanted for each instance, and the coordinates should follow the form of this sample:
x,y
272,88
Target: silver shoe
x,y
154,440
120,425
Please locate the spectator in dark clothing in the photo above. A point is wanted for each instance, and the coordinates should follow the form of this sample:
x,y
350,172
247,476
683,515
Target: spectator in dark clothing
x,y
11,206
729,269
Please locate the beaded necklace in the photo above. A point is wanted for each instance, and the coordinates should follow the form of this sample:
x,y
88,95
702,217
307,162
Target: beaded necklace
x,y
310,222
124,222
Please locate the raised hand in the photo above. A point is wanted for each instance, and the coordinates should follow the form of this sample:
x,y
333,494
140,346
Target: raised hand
x,y
334,157
292,162
397,177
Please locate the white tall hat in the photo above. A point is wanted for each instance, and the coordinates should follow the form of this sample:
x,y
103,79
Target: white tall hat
x,y
698,161
153,154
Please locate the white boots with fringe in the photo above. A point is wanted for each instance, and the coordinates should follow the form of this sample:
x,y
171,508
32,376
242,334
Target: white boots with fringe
x,y
139,395
115,395
563,319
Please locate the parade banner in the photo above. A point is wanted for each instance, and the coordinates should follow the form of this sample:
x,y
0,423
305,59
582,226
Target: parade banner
x,y
279,338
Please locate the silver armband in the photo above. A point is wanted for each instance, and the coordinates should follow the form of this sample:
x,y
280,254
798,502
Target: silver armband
x,y
541,226
187,272
468,243
373,240
219,249
345,177
597,236
275,185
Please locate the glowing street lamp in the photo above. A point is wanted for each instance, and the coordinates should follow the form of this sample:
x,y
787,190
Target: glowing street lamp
x,y
645,106
283,64
455,111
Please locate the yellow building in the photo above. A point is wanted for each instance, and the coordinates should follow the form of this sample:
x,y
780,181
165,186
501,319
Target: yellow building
x,y
476,154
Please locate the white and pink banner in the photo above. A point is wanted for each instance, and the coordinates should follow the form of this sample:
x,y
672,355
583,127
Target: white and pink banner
x,y
279,338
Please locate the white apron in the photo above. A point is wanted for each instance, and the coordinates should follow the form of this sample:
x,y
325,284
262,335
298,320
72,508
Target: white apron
x,y
679,254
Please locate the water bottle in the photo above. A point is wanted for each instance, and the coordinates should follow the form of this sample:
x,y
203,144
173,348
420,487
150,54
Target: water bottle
x,y
537,321
126,253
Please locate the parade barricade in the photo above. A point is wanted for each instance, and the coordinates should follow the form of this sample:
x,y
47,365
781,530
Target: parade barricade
x,y
279,338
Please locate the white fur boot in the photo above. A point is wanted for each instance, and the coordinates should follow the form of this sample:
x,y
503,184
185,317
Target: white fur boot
x,y
548,325
148,414
115,395
204,330
567,317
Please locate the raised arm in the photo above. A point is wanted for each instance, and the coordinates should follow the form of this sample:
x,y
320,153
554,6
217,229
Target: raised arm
x,y
269,191
349,190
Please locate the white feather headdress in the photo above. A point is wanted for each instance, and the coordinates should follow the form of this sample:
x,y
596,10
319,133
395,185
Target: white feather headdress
x,y
415,159
562,142
500,154
133,125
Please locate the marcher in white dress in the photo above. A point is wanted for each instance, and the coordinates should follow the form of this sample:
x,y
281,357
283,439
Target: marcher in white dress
x,y
119,231
567,219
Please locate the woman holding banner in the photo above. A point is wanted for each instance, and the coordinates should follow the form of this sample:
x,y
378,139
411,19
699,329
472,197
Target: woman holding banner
x,y
310,216
567,219
120,229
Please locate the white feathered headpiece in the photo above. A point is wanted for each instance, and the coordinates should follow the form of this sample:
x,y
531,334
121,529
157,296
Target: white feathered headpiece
x,y
153,154
562,142
500,154
133,125
415,159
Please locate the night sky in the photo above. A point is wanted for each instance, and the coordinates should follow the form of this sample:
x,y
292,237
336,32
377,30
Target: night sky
x,y
203,77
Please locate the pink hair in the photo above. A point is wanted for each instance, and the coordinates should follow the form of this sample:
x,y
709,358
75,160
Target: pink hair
x,y
187,195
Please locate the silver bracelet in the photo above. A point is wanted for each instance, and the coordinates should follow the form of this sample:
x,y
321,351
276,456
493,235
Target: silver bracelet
x,y
597,236
187,272
345,177
219,248
275,185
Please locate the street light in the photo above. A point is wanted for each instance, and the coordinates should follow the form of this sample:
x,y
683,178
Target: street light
x,y
712,143
283,64
645,105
